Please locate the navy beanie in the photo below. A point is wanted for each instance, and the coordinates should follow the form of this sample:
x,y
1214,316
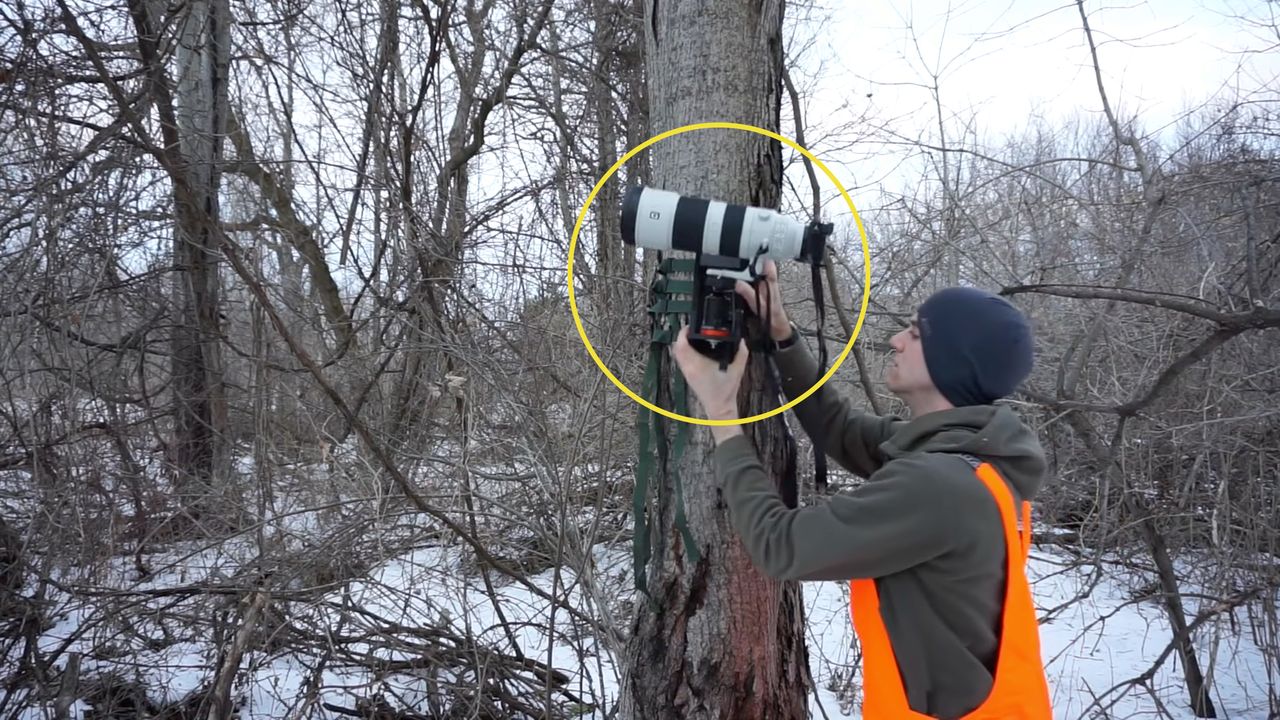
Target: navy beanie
x,y
977,345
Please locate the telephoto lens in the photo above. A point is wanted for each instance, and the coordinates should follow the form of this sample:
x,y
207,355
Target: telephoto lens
x,y
663,220
729,240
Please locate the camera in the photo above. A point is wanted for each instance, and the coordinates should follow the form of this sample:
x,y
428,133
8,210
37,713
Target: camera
x,y
730,241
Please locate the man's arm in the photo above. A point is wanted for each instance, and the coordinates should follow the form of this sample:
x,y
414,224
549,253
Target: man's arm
x,y
888,524
885,526
850,436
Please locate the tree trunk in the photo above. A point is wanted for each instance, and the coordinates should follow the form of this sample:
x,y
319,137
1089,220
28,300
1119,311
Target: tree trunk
x,y
1139,510
200,414
725,641
1197,685
611,252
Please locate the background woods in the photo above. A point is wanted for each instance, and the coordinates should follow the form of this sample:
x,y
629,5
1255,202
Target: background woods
x,y
295,421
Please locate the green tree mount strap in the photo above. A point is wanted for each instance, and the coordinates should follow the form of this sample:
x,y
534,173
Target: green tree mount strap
x,y
665,311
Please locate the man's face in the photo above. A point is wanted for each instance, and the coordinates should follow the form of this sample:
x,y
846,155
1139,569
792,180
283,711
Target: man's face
x,y
908,373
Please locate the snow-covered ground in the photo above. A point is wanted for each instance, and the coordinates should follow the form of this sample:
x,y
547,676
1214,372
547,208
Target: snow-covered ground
x,y
1092,645
408,581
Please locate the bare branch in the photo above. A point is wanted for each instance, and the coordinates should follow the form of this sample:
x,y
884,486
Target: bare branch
x,y
295,231
861,361
1179,366
1258,318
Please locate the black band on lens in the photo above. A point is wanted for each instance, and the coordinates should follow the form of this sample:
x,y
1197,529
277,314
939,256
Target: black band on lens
x,y
630,204
731,230
686,228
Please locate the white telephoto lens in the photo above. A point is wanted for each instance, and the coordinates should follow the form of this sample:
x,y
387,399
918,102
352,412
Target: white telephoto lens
x,y
781,236
654,217
664,220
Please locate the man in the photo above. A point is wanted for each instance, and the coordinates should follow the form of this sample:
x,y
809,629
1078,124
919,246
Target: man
x,y
936,599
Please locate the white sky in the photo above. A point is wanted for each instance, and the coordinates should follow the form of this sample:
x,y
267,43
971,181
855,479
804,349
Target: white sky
x,y
1006,62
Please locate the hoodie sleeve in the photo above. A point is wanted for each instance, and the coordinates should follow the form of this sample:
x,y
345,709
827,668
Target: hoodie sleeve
x,y
892,522
848,435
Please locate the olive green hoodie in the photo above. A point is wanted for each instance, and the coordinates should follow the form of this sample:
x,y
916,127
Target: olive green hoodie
x,y
923,525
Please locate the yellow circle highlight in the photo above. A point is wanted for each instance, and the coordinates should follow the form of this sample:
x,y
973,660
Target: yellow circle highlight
x,y
866,264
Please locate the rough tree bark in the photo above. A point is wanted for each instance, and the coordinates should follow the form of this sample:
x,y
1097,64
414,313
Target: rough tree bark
x,y
725,641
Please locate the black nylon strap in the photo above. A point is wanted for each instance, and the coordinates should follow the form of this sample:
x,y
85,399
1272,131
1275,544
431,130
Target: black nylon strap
x,y
790,487
819,452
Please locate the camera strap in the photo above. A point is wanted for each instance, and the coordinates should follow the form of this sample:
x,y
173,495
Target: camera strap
x,y
819,452
790,491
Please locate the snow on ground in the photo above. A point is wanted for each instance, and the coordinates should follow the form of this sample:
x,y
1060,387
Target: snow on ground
x,y
1091,646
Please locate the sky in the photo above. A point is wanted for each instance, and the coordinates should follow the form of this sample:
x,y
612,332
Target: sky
x,y
1000,63
1004,63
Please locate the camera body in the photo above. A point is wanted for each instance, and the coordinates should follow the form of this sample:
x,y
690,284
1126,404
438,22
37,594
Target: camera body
x,y
730,242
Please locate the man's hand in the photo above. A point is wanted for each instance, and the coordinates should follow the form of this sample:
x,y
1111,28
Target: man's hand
x,y
716,389
779,324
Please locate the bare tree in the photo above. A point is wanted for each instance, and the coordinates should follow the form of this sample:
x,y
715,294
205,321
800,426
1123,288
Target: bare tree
x,y
202,51
722,640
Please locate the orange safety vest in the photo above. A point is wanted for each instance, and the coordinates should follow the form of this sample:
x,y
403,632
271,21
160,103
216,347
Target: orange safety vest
x,y
1020,690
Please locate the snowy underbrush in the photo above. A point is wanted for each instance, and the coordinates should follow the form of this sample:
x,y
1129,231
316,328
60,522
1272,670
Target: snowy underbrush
x,y
345,600
412,631
351,603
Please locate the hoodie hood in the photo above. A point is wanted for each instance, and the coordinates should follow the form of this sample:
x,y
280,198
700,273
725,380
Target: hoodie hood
x,y
993,433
